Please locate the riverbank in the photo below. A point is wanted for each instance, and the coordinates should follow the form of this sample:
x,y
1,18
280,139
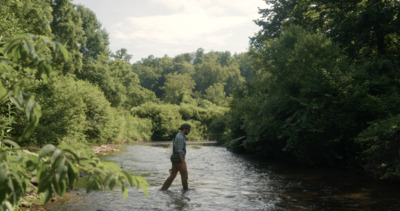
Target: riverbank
x,y
106,149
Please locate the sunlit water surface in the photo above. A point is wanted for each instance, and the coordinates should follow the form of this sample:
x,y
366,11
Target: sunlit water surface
x,y
222,180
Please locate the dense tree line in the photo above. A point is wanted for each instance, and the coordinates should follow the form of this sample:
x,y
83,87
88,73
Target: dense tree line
x,y
96,95
325,90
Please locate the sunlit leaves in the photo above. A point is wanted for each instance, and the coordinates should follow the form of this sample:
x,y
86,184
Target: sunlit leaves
x,y
57,168
13,184
46,150
107,175
3,93
27,50
215,93
21,56
32,109
24,16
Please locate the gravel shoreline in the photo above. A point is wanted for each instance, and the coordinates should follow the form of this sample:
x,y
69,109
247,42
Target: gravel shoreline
x,y
106,148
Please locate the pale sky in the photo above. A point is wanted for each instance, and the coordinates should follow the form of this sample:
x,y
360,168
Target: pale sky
x,y
173,27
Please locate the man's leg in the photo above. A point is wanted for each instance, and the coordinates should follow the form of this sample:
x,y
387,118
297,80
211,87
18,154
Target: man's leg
x,y
184,177
171,177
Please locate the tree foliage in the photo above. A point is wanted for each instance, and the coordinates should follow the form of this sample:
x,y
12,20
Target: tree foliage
x,y
178,88
122,54
166,118
56,168
381,143
67,29
22,62
28,16
97,40
363,29
323,86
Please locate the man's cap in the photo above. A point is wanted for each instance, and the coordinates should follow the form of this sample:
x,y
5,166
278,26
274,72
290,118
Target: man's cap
x,y
185,126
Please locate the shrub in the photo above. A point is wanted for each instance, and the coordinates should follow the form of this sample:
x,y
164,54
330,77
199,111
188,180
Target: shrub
x,y
197,132
99,115
75,109
165,119
133,128
380,144
64,112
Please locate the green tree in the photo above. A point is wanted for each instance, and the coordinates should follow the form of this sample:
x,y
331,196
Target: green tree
x,y
225,58
380,145
208,74
76,110
29,16
165,119
183,68
67,28
178,88
96,37
186,58
364,29
148,76
198,56
26,58
234,80
245,64
63,112
99,73
295,101
215,93
129,84
152,72
122,54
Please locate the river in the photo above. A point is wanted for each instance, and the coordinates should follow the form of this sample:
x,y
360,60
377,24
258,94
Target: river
x,y
222,180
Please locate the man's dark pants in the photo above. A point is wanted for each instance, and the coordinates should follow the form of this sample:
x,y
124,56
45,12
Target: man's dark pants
x,y
176,167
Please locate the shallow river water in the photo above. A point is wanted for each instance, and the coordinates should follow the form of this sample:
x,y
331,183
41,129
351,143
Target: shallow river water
x,y
222,180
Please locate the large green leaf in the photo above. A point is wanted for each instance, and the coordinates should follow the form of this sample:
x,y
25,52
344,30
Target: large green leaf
x,y
10,142
3,92
46,150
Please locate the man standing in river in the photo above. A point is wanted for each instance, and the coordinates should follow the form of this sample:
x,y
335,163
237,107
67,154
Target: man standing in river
x,y
178,158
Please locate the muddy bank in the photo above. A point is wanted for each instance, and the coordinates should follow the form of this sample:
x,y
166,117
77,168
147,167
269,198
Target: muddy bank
x,y
105,149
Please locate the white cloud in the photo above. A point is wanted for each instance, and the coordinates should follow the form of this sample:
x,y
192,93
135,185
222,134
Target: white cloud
x,y
159,27
179,28
188,24
216,7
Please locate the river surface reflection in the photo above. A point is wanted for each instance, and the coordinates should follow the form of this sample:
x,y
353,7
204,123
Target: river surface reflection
x,y
221,180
